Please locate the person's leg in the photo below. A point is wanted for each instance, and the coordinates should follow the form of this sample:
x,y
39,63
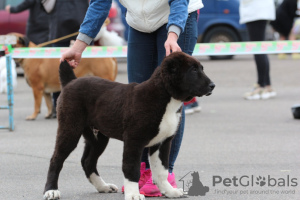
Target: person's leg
x,y
190,40
55,96
293,35
187,41
141,62
256,31
142,57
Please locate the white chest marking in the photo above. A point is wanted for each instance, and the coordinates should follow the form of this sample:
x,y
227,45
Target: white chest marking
x,y
169,122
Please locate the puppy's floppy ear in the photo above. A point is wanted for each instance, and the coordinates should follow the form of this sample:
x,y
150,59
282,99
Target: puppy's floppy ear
x,y
172,65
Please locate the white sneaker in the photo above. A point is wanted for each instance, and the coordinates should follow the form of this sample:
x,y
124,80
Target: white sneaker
x,y
268,93
192,107
265,95
255,94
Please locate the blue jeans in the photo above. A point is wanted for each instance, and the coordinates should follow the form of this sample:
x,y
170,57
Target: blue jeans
x,y
146,52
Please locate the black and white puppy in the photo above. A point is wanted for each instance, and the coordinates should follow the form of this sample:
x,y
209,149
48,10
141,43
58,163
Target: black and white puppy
x,y
141,115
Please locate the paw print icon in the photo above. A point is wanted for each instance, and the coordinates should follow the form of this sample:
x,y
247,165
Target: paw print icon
x,y
261,181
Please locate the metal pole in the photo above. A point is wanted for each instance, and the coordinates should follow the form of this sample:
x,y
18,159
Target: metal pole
x,y
10,92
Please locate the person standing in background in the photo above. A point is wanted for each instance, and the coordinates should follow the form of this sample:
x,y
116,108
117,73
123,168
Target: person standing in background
x,y
255,14
65,19
37,28
285,17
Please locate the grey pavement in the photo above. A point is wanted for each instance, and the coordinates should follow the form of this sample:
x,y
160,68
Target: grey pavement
x,y
230,138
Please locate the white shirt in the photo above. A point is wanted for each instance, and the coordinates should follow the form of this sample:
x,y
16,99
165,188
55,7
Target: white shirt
x,y
149,15
253,10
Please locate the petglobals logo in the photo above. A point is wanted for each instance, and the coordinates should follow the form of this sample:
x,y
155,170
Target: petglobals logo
x,y
192,184
251,181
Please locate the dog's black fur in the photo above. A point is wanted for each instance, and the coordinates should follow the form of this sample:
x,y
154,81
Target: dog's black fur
x,y
128,112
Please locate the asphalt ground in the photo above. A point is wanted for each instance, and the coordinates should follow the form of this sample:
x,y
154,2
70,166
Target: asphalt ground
x,y
230,143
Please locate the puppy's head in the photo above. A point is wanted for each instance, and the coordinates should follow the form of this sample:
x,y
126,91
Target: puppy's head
x,y
184,78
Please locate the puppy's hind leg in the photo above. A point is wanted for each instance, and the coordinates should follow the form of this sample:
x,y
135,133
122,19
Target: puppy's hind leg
x,y
94,147
159,164
66,141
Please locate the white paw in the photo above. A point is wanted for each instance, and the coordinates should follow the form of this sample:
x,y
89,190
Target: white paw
x,y
52,194
175,192
134,197
108,188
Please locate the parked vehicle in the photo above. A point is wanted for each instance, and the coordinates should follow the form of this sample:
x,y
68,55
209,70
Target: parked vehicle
x,y
219,22
12,22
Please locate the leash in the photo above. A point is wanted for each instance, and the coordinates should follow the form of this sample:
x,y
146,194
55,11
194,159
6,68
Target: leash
x,y
106,22
57,40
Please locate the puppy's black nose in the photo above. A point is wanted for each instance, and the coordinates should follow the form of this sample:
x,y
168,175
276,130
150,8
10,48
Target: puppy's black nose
x,y
211,86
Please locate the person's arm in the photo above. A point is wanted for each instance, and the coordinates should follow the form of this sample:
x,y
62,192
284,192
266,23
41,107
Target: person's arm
x,y
177,19
94,18
26,4
178,16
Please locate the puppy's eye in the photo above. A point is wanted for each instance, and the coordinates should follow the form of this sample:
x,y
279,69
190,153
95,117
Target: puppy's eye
x,y
195,69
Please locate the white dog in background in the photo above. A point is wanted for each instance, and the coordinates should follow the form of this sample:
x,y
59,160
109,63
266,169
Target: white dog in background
x,y
109,38
106,38
3,74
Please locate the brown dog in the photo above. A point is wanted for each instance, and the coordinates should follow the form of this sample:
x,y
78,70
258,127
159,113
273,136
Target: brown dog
x,y
42,74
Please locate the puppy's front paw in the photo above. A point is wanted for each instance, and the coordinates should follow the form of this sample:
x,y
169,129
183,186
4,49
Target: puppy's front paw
x,y
108,188
52,195
134,197
175,192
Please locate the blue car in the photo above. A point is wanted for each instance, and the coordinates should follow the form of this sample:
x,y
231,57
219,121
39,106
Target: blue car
x,y
219,22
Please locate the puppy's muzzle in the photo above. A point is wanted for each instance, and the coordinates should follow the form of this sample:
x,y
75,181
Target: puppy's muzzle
x,y
211,87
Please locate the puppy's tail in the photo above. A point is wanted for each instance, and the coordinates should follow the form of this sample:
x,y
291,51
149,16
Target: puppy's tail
x,y
66,73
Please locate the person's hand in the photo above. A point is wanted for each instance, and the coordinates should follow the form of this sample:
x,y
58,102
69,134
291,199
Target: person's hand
x,y
171,43
73,55
7,8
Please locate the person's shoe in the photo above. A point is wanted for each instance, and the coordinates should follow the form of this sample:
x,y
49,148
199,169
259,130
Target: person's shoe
x,y
191,108
188,110
272,93
151,190
268,93
255,94
282,56
296,56
144,176
265,94
172,180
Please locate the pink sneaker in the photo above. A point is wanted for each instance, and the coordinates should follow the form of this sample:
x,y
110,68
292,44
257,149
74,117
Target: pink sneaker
x,y
145,175
172,180
151,190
